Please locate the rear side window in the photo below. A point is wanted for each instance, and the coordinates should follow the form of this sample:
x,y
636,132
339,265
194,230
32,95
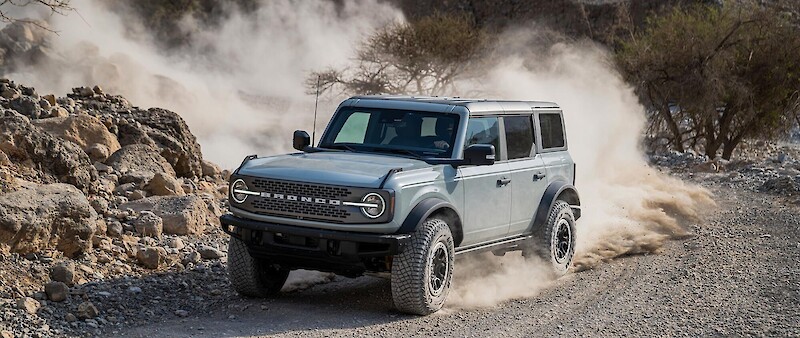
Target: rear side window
x,y
519,136
483,130
552,130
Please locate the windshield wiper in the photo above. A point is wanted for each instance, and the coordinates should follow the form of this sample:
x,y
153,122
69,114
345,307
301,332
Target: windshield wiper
x,y
400,151
342,146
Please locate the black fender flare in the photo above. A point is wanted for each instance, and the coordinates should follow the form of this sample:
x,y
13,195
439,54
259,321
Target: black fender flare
x,y
422,211
553,191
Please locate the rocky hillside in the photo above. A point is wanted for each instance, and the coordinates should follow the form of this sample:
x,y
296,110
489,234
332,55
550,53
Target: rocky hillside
x,y
94,189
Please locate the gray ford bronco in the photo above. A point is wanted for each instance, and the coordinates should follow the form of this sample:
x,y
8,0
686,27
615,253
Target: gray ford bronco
x,y
400,186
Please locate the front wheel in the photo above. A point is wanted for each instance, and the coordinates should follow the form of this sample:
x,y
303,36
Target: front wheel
x,y
422,274
252,277
555,241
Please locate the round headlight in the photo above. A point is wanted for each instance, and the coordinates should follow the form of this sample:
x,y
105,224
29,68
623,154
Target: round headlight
x,y
377,208
236,191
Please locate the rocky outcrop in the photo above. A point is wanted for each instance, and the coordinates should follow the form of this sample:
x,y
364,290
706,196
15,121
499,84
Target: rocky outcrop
x,y
84,130
56,159
38,217
181,215
140,158
171,135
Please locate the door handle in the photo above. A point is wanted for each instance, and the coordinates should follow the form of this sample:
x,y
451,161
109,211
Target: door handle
x,y
538,176
503,181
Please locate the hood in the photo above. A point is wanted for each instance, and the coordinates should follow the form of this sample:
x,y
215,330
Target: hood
x,y
335,168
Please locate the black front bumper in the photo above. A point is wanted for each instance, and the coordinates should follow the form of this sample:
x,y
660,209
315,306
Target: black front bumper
x,y
346,253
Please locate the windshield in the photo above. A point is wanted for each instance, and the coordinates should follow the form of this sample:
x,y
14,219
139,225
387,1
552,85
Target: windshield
x,y
407,132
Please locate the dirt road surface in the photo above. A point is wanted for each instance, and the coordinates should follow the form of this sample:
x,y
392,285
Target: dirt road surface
x,y
738,275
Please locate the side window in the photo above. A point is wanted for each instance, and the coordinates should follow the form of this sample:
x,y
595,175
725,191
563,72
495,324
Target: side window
x,y
483,130
552,130
354,129
519,136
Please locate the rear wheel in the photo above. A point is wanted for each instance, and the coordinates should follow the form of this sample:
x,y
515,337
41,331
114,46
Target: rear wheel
x,y
253,277
422,274
554,242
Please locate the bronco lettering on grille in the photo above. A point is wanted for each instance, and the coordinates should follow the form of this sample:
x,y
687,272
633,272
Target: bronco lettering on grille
x,y
300,198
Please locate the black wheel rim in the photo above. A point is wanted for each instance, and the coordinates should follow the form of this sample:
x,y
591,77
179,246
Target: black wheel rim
x,y
440,268
563,241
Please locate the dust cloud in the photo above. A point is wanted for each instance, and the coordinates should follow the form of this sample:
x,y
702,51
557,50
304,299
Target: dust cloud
x,y
628,206
239,87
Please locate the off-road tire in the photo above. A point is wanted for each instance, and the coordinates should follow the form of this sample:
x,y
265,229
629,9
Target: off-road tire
x,y
546,240
412,270
252,277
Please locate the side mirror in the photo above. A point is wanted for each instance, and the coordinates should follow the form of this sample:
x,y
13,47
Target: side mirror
x,y
301,140
479,154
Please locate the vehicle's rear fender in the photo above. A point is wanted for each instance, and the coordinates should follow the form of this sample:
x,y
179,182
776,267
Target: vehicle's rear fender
x,y
557,190
433,207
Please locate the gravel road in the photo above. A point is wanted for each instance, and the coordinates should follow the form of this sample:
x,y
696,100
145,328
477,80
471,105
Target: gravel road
x,y
738,275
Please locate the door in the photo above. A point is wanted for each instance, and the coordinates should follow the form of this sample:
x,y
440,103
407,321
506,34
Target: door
x,y
527,171
486,188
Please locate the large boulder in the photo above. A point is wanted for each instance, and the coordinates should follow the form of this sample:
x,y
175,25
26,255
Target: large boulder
x,y
181,215
56,159
140,158
169,133
38,217
83,130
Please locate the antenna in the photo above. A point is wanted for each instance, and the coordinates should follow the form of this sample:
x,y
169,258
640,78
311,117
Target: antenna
x,y
316,103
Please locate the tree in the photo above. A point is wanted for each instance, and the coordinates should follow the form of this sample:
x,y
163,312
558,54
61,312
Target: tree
x,y
713,76
55,6
421,57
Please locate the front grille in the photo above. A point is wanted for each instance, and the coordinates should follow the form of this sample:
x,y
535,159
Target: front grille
x,y
301,189
297,208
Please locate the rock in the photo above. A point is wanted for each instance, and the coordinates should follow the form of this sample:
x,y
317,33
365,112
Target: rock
x,y
98,152
166,131
151,257
69,317
192,257
58,112
141,158
6,334
47,216
8,93
175,243
28,304
27,106
115,229
207,252
63,272
87,310
83,91
100,205
181,313
148,224
163,185
210,169
83,130
57,159
51,99
97,90
182,215
56,291
124,188
139,177
135,290
137,195
44,104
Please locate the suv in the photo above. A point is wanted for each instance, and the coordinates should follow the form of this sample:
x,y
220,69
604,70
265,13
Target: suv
x,y
400,186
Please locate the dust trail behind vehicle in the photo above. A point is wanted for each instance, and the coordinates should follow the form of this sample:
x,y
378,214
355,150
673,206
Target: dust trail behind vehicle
x,y
628,206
